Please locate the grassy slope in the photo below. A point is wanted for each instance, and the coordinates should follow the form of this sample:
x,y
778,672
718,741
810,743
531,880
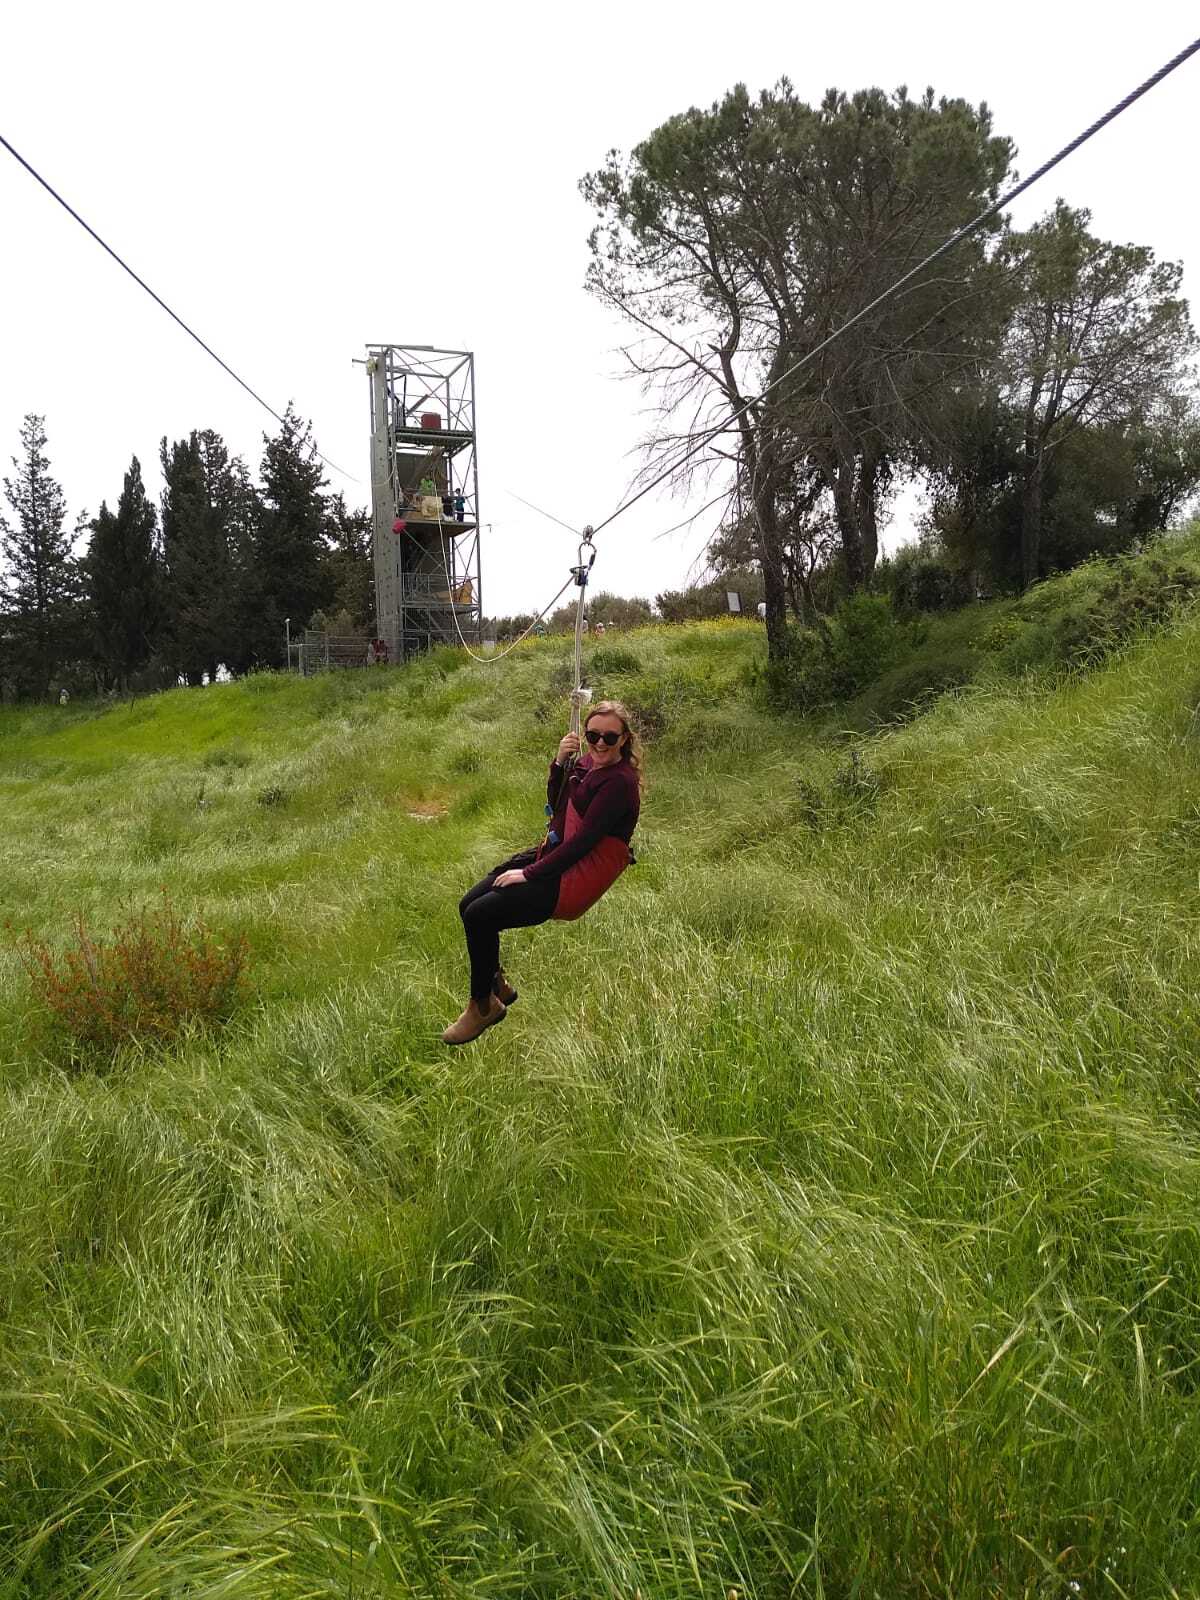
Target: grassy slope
x,y
821,1222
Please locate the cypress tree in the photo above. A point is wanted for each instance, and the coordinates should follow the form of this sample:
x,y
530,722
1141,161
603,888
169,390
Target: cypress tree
x,y
350,561
293,575
200,518
124,581
244,513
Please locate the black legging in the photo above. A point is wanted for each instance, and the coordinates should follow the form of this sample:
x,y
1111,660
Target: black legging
x,y
486,912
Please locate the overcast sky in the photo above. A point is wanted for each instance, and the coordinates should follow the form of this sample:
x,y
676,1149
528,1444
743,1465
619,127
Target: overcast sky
x,y
298,181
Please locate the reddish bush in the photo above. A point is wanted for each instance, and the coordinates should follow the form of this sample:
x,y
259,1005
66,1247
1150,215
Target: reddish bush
x,y
150,980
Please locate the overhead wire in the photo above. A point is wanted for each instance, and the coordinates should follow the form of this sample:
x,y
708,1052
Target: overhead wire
x,y
984,216
549,515
175,317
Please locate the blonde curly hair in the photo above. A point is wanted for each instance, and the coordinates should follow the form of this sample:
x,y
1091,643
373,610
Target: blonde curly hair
x,y
631,749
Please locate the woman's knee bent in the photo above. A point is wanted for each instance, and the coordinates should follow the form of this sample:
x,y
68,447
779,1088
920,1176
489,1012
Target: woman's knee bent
x,y
480,913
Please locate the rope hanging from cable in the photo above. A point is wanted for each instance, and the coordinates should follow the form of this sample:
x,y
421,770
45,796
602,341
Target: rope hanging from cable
x,y
579,695
574,577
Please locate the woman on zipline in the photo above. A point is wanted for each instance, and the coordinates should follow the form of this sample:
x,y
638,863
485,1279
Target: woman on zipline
x,y
594,805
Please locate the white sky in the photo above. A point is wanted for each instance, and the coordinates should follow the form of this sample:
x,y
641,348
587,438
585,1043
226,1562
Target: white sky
x,y
298,181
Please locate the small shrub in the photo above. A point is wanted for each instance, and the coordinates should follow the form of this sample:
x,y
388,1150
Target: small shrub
x,y
812,803
152,979
918,580
613,658
1001,635
857,784
803,679
228,755
850,795
159,839
868,639
272,797
467,760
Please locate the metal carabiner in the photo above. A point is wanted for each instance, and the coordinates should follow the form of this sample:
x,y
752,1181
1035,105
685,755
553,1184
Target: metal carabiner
x,y
580,571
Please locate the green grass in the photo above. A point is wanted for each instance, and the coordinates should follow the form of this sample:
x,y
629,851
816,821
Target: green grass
x,y
822,1222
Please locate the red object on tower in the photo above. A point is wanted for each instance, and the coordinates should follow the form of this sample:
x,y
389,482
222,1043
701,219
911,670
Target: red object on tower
x,y
431,420
399,525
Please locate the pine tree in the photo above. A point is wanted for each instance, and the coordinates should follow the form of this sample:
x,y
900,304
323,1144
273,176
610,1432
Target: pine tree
x,y
124,581
42,609
293,575
1100,334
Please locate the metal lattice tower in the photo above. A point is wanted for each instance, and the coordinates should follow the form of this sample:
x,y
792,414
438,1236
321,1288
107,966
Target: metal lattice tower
x,y
424,475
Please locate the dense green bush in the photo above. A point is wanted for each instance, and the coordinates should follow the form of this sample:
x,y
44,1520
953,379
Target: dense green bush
x,y
1001,634
1077,621
1137,595
618,611
887,665
916,579
861,640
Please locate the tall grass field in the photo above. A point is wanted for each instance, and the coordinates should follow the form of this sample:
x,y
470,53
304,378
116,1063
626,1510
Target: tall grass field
x,y
824,1220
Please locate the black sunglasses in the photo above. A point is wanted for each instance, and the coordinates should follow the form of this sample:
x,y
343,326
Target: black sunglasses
x,y
594,736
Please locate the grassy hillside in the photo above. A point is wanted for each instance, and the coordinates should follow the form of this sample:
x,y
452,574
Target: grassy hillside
x,y
822,1221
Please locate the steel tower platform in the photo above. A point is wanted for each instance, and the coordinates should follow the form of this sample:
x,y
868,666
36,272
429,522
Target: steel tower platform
x,y
424,497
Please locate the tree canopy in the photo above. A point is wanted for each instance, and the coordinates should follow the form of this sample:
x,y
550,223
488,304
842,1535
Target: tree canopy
x,y
736,240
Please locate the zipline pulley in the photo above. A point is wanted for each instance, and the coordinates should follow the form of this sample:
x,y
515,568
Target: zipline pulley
x,y
583,568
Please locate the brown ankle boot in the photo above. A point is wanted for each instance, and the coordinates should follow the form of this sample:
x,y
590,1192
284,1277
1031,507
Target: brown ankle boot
x,y
502,989
474,1021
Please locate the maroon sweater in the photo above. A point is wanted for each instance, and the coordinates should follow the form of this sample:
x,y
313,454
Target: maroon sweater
x,y
608,800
